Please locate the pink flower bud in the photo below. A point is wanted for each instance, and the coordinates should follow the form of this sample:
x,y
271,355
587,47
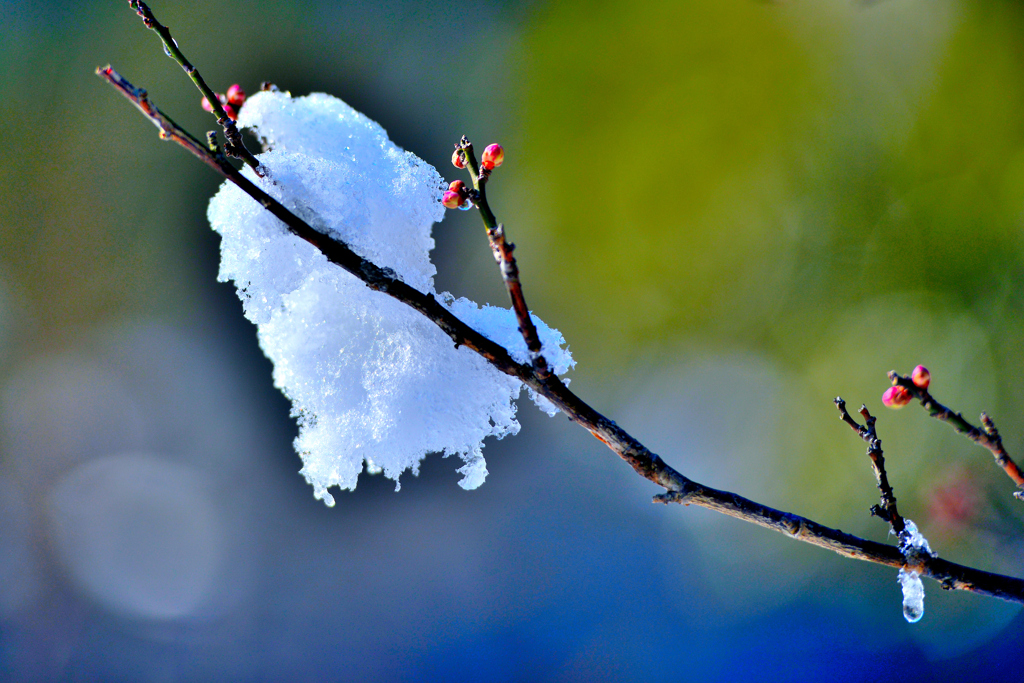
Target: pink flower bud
x,y
236,96
231,112
457,186
457,159
492,157
452,200
207,106
896,397
921,377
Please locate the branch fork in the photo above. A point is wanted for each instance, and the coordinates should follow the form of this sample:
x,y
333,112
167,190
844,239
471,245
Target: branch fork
x,y
233,147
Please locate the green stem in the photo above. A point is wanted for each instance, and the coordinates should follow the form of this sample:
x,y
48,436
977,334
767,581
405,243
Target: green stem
x,y
234,147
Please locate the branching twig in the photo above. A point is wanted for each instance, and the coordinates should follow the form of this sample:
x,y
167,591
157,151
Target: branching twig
x,y
169,130
234,146
987,437
339,253
502,250
679,489
887,510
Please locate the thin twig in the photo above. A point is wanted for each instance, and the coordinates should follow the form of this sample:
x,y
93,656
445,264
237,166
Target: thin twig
x,y
234,146
502,250
679,488
987,437
887,510
169,130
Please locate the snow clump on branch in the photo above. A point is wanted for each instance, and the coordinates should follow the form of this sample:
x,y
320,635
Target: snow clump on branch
x,y
912,543
370,379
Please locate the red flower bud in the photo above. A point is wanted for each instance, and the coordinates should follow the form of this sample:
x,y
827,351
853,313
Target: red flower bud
x,y
921,377
231,112
457,186
457,159
236,96
452,200
896,397
492,157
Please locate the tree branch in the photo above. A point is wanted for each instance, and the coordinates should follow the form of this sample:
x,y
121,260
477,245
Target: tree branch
x,y
679,489
234,147
987,437
887,511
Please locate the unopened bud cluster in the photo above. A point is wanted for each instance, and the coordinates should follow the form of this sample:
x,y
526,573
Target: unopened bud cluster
x,y
898,396
456,196
230,101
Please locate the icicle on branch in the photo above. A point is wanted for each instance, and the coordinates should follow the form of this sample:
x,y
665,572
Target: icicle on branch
x,y
913,545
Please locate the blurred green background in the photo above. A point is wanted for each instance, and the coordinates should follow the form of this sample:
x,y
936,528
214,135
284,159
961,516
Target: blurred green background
x,y
733,210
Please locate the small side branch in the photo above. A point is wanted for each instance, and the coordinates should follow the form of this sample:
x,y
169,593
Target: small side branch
x,y
169,130
234,146
887,510
502,250
987,436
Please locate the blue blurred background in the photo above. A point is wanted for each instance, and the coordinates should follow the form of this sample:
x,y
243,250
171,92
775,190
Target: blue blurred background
x,y
734,210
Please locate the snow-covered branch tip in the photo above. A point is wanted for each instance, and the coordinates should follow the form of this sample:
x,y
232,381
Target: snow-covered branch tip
x,y
904,389
358,365
278,283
